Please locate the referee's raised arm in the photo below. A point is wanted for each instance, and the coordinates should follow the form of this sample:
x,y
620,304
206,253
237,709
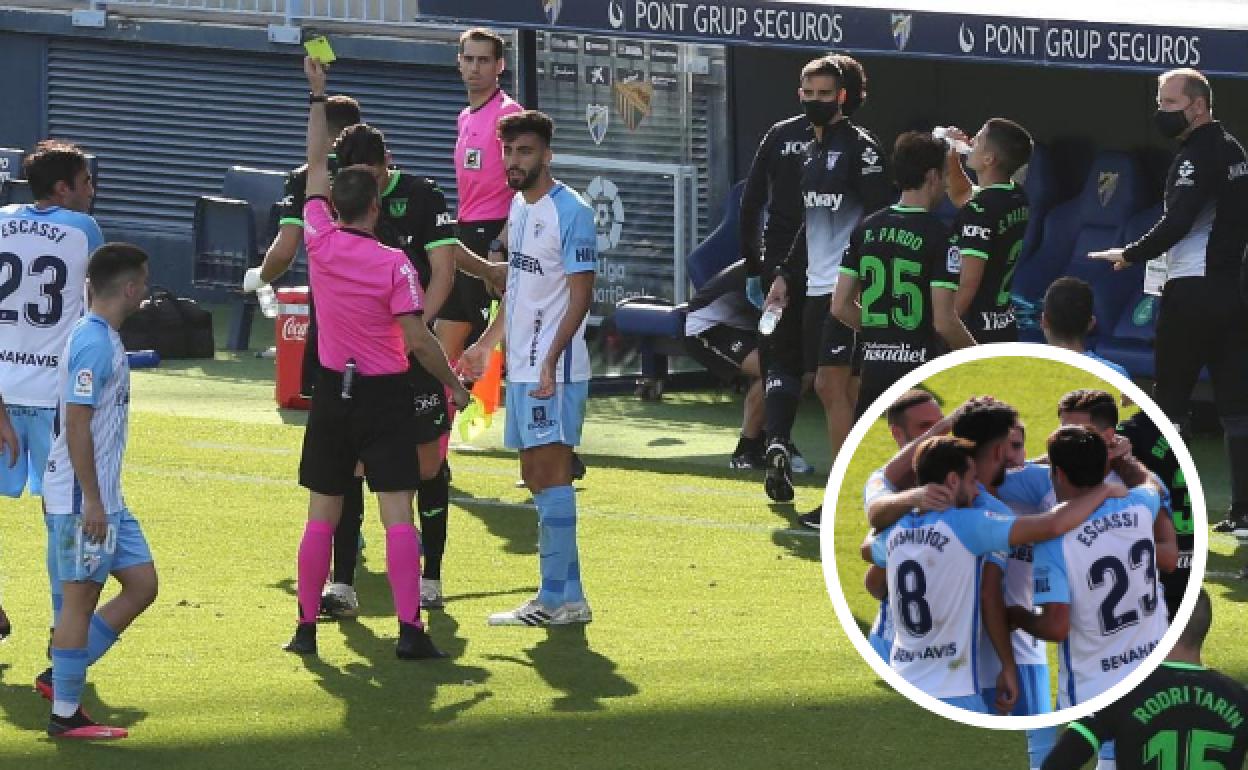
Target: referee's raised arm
x,y
318,133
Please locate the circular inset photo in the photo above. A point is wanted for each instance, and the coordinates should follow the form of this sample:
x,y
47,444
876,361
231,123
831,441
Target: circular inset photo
x,y
1002,547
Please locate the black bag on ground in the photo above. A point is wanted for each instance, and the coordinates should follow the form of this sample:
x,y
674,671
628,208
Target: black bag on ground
x,y
175,327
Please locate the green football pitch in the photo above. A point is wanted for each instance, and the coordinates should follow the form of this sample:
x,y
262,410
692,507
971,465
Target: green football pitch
x,y
714,643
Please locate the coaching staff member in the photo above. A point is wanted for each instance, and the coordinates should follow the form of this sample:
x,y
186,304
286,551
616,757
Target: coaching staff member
x,y
1203,319
369,317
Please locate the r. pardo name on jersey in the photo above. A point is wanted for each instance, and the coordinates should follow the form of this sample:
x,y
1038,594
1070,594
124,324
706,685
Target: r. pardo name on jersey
x,y
1081,44
728,20
1117,520
29,359
1188,694
899,353
902,655
918,536
47,230
897,235
526,263
1130,657
815,200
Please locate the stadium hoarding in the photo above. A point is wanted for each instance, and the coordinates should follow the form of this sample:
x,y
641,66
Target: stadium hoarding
x,y
955,36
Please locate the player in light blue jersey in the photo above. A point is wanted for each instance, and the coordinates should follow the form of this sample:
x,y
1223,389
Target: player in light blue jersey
x,y
1067,319
909,418
91,532
553,254
1097,587
935,560
44,248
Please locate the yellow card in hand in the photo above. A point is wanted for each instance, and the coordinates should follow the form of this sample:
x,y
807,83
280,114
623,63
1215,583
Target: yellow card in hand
x,y
318,48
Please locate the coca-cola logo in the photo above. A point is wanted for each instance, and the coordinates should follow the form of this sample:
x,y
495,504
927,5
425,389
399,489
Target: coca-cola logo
x,y
295,329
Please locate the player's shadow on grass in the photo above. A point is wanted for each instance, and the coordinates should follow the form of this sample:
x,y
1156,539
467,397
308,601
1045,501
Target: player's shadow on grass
x,y
1227,569
563,659
25,710
516,527
801,543
371,690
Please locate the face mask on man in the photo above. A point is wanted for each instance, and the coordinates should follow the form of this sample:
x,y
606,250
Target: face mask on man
x,y
821,114
1170,123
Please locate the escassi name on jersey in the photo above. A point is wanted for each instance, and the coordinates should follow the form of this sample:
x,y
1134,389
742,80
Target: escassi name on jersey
x,y
918,536
1117,520
47,230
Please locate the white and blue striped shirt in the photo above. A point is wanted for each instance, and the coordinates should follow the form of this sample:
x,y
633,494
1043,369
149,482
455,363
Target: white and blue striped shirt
x,y
94,372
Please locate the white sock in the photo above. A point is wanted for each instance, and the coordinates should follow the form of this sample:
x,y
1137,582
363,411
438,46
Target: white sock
x,y
64,708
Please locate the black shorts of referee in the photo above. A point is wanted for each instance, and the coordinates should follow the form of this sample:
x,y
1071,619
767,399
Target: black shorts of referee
x,y
469,301
377,426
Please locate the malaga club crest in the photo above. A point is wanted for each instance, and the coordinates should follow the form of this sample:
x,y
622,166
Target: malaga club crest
x,y
597,116
1106,186
551,9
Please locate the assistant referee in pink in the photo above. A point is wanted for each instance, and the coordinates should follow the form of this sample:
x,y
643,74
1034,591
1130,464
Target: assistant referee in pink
x,y
368,310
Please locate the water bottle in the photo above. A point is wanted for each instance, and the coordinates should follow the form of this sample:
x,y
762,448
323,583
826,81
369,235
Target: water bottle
x,y
267,300
959,146
142,359
771,317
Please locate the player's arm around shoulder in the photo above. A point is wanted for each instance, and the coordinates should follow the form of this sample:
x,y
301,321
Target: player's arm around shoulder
x,y
1064,517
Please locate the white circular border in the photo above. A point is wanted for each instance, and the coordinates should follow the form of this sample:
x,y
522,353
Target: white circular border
x,y
827,544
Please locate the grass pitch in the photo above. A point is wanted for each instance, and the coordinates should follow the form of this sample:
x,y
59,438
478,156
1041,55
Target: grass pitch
x,y
714,643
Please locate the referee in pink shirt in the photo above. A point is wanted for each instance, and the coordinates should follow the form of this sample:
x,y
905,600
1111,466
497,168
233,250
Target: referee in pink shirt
x,y
368,310
484,197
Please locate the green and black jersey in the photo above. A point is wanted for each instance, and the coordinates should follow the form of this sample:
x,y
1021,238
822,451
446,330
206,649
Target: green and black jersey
x,y
414,216
1182,717
1153,450
899,253
991,227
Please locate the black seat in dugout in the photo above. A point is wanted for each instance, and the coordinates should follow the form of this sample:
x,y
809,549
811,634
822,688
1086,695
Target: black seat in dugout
x,y
657,323
261,189
224,248
15,191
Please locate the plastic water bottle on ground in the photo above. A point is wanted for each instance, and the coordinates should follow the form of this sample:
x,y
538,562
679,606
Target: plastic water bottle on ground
x,y
771,317
268,301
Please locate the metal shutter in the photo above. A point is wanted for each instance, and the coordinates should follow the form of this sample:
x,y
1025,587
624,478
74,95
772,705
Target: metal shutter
x,y
166,122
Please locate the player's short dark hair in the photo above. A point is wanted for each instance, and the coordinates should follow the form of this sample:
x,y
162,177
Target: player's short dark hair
x,y
1195,84
983,422
825,66
896,412
50,162
360,144
1197,628
1100,405
527,122
938,456
854,82
354,189
483,35
1080,453
1011,143
111,263
1068,307
341,111
914,154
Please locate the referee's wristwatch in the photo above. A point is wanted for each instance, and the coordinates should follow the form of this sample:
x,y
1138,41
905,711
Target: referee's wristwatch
x,y
317,98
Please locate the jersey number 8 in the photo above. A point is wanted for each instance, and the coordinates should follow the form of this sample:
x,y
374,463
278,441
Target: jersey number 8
x,y
916,614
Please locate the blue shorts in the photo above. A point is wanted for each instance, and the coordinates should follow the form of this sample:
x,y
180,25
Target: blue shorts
x,y
532,422
972,703
76,560
1033,692
33,426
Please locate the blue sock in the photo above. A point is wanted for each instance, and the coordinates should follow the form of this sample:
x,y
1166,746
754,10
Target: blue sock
x,y
69,676
556,543
100,639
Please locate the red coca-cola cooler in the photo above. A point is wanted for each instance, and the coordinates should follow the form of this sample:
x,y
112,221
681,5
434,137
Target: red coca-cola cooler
x,y
292,336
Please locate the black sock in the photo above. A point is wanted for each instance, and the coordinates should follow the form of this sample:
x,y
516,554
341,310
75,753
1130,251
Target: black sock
x,y
747,445
432,500
780,402
347,535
